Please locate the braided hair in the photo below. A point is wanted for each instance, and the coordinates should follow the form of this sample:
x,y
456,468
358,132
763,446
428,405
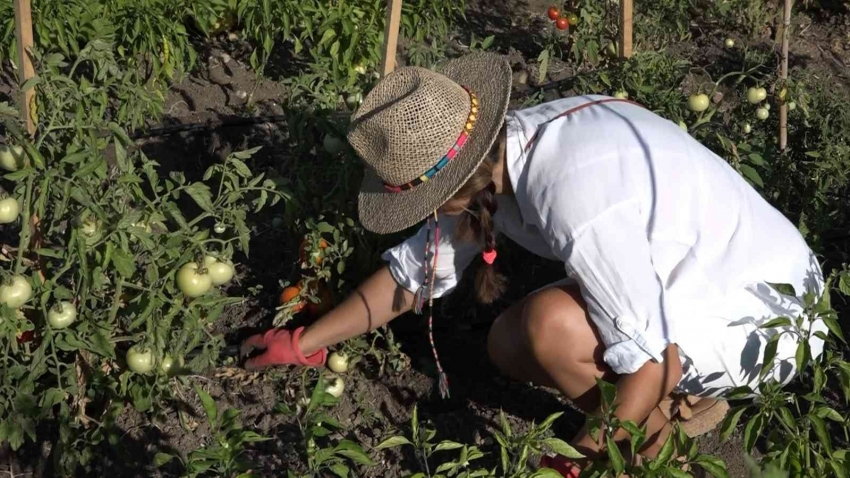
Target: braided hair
x,y
476,223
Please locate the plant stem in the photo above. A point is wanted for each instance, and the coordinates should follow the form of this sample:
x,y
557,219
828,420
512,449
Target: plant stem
x,y
23,244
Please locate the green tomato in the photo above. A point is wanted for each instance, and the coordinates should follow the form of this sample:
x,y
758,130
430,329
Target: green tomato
x,y
621,94
220,228
62,315
140,360
191,282
762,94
698,103
754,95
11,159
335,387
338,362
730,43
220,272
747,128
167,364
683,126
9,210
762,114
15,292
332,144
792,106
766,106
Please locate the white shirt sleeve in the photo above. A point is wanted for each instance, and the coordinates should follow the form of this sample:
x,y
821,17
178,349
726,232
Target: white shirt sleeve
x,y
406,260
610,259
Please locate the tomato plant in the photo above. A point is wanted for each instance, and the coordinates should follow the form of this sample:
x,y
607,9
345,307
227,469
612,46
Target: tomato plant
x,y
117,246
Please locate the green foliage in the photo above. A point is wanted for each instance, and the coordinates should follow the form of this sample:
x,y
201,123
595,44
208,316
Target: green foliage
x,y
224,454
112,233
323,454
805,431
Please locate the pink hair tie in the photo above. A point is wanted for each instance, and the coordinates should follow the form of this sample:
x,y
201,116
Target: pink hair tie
x,y
489,256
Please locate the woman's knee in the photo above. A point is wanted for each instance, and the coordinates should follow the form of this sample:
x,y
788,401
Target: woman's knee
x,y
555,323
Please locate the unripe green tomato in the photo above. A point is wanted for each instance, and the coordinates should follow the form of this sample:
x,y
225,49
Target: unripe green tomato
x,y
335,387
762,94
9,210
62,315
753,95
792,106
698,103
747,128
766,106
15,292
730,43
220,228
332,144
140,360
621,94
338,362
762,114
11,159
191,282
220,272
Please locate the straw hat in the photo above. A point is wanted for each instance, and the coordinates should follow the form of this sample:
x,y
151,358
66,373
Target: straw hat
x,y
423,133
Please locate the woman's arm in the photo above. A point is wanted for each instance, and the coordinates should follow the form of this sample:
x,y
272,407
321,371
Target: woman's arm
x,y
376,301
639,393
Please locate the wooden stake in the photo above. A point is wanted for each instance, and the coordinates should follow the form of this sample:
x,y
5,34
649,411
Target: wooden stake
x,y
23,33
391,36
626,9
783,106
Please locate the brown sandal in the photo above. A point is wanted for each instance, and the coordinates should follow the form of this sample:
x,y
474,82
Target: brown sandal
x,y
696,415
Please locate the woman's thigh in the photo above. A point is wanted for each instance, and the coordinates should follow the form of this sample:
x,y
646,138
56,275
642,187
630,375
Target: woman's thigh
x,y
548,339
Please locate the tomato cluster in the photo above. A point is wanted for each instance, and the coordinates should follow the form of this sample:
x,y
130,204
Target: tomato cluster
x,y
293,296
562,20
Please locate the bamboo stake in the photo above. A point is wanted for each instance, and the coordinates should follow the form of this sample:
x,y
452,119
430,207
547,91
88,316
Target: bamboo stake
x,y
626,9
391,37
23,33
783,106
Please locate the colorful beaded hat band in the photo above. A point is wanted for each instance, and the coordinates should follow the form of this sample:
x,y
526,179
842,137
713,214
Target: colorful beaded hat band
x,y
461,140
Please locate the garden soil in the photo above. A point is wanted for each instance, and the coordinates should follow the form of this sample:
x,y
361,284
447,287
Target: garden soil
x,y
375,405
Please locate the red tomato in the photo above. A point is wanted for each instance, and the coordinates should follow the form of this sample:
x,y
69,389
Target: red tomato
x,y
562,24
553,13
26,336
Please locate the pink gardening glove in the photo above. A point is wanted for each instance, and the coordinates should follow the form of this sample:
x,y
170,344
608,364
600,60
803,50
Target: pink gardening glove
x,y
281,348
561,464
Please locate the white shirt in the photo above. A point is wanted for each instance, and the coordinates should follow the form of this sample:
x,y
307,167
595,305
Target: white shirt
x,y
657,230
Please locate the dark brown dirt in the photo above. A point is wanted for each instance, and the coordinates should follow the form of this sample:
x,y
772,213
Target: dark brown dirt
x,y
374,406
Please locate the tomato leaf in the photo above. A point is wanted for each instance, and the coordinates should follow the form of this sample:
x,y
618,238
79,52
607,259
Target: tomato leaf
x,y
124,263
200,192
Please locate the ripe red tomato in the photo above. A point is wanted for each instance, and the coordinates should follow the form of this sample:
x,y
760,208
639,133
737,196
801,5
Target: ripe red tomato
x,y
553,13
26,336
562,24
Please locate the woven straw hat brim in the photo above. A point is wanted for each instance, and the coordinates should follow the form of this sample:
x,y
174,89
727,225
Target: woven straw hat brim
x,y
489,76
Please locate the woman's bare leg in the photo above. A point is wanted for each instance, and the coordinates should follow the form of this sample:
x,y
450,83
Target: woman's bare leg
x,y
548,339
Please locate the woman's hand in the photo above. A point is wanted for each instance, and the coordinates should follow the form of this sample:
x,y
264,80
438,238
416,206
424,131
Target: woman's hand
x,y
281,348
563,465
378,300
